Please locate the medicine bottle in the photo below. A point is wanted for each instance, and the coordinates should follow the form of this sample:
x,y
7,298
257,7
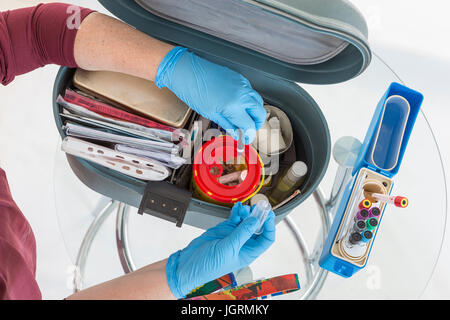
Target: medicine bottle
x,y
293,177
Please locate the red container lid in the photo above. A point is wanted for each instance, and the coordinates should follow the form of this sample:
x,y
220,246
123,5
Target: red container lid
x,y
208,169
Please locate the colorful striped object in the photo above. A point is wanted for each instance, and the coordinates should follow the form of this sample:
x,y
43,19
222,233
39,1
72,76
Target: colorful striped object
x,y
227,281
260,289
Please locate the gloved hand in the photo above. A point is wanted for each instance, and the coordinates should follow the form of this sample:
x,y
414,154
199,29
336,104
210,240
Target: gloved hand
x,y
215,92
226,248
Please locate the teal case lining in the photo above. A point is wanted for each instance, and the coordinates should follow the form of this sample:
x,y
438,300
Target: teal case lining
x,y
349,63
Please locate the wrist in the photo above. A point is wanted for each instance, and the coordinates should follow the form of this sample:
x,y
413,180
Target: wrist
x,y
166,67
171,274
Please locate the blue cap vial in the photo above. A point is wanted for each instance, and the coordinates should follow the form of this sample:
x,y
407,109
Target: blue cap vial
x,y
366,236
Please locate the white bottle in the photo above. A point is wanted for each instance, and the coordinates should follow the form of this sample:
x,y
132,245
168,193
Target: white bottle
x,y
293,177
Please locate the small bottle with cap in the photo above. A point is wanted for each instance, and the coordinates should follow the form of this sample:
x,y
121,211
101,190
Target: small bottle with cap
x,y
371,224
359,226
261,211
374,212
293,177
354,238
258,197
365,204
366,236
362,214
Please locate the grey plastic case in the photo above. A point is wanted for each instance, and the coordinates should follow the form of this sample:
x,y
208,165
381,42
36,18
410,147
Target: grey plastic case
x,y
273,75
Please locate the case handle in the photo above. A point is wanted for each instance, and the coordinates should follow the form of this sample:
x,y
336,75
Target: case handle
x,y
166,201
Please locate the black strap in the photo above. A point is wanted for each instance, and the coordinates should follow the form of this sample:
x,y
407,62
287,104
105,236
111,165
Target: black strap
x,y
166,201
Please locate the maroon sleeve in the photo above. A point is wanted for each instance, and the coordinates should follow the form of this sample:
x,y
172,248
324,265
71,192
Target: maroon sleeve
x,y
34,37
17,250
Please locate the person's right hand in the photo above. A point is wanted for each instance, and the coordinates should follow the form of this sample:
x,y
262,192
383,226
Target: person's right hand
x,y
215,92
226,248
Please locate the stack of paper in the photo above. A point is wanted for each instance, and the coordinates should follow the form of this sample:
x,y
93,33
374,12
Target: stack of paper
x,y
136,139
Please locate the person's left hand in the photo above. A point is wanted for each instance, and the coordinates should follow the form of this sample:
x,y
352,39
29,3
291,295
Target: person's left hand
x,y
226,248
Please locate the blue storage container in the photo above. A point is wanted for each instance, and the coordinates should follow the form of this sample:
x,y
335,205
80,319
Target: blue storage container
x,y
379,160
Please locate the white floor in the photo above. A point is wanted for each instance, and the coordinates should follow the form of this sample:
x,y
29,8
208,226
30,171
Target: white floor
x,y
405,34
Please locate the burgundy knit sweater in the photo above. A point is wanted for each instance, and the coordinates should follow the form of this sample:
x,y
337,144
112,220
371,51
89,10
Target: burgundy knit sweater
x,y
29,38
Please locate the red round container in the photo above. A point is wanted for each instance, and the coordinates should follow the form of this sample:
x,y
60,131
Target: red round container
x,y
208,168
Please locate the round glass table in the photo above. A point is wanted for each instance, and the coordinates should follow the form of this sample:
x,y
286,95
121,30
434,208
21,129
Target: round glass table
x,y
104,238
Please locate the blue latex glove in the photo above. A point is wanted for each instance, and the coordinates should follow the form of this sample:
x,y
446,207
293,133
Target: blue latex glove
x,y
228,247
213,91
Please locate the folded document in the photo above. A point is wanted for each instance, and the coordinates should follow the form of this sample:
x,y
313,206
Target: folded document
x,y
170,160
79,131
137,167
135,129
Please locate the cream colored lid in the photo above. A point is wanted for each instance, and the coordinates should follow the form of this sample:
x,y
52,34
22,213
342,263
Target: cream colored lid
x,y
299,169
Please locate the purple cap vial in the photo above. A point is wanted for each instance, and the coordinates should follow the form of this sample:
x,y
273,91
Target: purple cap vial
x,y
362,214
374,212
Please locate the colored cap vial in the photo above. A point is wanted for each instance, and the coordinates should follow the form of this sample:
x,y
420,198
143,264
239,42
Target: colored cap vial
x,y
374,212
366,236
359,226
401,202
365,204
371,224
355,238
362,214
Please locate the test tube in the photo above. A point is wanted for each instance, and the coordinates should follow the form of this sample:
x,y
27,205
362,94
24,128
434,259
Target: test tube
x,y
259,197
362,214
261,212
374,212
366,236
371,224
365,204
355,238
241,146
359,226
401,202
238,176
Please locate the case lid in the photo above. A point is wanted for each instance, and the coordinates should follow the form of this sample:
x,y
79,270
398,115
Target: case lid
x,y
309,41
388,134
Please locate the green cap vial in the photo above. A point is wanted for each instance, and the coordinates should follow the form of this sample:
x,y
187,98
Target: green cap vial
x,y
371,224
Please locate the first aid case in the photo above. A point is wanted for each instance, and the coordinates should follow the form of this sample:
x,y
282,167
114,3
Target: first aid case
x,y
274,44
